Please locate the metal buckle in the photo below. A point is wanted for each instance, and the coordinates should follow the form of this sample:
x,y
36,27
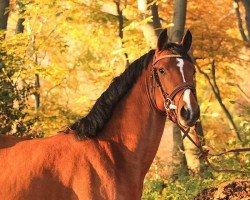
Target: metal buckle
x,y
168,104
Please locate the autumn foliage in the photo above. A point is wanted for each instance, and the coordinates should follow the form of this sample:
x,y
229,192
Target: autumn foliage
x,y
52,72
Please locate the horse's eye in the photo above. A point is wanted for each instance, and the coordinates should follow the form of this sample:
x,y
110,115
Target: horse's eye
x,y
162,70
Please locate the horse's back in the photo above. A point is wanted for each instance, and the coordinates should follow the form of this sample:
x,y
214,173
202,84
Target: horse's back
x,y
9,141
28,169
60,167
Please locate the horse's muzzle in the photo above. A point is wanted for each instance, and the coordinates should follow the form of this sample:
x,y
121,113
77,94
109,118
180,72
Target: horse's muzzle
x,y
189,116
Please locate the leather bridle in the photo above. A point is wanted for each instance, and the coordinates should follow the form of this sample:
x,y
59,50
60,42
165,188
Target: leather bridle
x,y
170,108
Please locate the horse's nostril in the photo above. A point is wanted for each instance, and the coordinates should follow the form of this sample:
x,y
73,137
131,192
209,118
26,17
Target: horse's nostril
x,y
185,113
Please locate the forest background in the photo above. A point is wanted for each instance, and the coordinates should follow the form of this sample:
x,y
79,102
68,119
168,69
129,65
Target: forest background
x,y
57,57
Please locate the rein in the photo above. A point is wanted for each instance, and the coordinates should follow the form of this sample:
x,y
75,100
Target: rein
x,y
171,114
204,153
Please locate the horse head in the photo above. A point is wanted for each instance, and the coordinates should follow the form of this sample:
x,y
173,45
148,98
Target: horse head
x,y
173,72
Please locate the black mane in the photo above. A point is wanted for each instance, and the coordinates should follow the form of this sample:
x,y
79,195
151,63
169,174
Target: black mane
x,y
93,123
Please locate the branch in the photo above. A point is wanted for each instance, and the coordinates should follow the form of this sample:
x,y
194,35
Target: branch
x,y
107,8
217,95
206,76
241,90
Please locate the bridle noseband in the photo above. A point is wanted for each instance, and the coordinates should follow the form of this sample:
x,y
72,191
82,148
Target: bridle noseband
x,y
168,98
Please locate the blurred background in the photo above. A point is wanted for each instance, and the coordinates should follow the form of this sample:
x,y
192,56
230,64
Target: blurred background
x,y
58,56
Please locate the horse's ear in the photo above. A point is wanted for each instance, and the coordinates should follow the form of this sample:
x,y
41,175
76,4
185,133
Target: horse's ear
x,y
162,40
187,40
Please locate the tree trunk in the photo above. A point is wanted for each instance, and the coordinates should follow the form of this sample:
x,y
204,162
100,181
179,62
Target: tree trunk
x,y
175,35
5,84
246,4
179,160
20,26
168,152
179,19
4,14
20,29
36,94
149,29
156,19
120,27
37,81
240,26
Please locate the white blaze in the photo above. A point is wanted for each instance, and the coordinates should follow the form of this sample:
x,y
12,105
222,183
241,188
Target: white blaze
x,y
186,98
180,64
186,95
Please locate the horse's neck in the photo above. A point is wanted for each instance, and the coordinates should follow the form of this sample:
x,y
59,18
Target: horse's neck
x,y
136,127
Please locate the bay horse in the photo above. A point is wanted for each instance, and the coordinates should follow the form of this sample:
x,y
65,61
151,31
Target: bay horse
x,y
107,153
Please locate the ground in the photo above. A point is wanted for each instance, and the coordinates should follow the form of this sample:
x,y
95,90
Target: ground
x,y
233,190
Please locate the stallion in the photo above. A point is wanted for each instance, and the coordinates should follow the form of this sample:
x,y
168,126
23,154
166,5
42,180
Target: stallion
x,y
106,154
